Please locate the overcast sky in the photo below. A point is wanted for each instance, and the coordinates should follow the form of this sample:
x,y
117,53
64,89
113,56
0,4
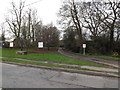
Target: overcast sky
x,y
47,9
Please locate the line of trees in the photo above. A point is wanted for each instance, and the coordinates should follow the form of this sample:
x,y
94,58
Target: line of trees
x,y
94,23
28,29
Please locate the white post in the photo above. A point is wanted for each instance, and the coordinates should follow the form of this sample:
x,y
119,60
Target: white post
x,y
84,51
84,46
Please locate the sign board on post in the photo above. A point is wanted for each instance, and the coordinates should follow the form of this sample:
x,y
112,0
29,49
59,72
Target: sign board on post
x,y
40,44
11,44
84,46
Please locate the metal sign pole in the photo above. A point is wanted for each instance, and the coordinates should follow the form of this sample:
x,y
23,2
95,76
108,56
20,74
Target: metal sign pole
x,y
84,51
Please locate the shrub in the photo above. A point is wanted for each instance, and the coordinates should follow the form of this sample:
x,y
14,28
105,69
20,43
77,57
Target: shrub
x,y
115,54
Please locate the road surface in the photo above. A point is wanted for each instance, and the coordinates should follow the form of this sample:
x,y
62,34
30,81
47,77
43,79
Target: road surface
x,y
14,76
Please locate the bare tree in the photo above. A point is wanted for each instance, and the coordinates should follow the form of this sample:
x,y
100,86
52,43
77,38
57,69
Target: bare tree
x,y
109,19
33,24
77,22
70,13
91,18
15,21
118,26
2,36
50,36
100,19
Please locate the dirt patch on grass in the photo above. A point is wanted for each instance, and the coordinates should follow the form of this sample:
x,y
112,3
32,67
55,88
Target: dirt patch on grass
x,y
44,50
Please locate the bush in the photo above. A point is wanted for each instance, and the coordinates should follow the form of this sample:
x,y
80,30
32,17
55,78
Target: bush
x,y
115,54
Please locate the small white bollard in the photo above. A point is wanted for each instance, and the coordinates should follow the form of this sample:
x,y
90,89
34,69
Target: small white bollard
x,y
84,46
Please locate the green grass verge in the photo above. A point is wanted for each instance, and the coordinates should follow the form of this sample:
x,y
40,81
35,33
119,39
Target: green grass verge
x,y
44,64
52,57
105,57
96,55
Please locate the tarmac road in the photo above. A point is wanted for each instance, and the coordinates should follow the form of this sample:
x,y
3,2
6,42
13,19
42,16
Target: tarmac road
x,y
14,76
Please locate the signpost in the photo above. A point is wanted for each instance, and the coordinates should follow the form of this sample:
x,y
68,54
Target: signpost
x,y
40,44
84,46
11,44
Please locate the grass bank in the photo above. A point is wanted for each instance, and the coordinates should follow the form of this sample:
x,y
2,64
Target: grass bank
x,y
105,57
45,64
96,55
52,57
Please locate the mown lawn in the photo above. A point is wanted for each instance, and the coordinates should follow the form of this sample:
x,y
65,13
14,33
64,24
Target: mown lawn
x,y
105,57
53,57
96,55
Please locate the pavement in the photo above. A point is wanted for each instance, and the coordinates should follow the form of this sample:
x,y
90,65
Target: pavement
x,y
14,76
103,71
71,65
108,62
